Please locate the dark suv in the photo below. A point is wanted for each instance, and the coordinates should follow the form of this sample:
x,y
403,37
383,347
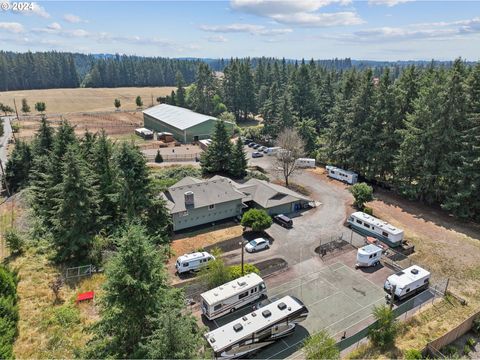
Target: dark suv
x,y
283,220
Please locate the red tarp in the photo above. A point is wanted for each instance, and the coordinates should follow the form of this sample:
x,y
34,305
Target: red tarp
x,y
85,296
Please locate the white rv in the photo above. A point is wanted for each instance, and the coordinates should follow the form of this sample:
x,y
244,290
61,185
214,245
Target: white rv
x,y
305,163
252,332
368,255
232,295
346,176
193,261
371,226
407,282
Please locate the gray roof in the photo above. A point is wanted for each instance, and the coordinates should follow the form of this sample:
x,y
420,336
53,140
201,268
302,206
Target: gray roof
x,y
176,116
205,192
269,195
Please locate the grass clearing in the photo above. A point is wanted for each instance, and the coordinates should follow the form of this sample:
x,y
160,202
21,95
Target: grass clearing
x,y
85,99
48,330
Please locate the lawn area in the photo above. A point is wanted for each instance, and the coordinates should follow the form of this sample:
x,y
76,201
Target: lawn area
x,y
48,330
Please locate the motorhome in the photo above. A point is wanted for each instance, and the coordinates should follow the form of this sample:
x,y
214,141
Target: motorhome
x,y
368,255
346,176
407,282
144,133
371,226
250,333
232,295
305,163
193,262
271,150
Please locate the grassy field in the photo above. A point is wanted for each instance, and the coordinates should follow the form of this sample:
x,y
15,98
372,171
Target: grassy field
x,y
85,99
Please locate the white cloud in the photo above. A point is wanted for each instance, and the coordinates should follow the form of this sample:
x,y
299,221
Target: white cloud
x,y
217,38
38,10
78,33
73,19
299,13
388,3
245,28
12,27
54,26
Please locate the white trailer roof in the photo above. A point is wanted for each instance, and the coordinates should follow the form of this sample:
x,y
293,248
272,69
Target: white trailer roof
x,y
408,276
334,168
369,249
377,222
193,256
231,288
226,335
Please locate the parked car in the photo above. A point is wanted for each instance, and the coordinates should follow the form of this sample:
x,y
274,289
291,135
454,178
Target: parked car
x,y
252,144
261,148
256,146
257,244
283,220
257,154
247,141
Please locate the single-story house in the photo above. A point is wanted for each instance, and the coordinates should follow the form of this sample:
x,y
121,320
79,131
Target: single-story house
x,y
194,202
185,125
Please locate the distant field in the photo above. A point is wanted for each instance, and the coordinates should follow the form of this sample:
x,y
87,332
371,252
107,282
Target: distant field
x,y
85,99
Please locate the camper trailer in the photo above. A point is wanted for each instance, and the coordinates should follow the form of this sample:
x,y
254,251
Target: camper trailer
x,y
346,176
408,282
368,255
305,163
371,226
193,262
252,332
232,295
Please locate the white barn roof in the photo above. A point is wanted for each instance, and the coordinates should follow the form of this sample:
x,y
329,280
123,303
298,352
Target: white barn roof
x,y
176,116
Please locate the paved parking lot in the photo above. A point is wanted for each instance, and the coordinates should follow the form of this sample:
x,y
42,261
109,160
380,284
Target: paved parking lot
x,y
336,295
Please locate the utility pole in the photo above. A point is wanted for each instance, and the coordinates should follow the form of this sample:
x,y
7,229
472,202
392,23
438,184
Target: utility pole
x,y
241,245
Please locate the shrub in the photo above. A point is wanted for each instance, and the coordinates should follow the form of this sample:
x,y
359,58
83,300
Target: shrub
x,y
235,271
450,351
476,326
368,210
14,241
257,220
64,316
256,175
383,333
321,346
471,342
362,193
8,312
413,354
466,350
215,274
158,157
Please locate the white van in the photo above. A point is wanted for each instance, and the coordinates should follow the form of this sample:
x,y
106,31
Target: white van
x,y
407,282
271,150
193,261
368,255
305,163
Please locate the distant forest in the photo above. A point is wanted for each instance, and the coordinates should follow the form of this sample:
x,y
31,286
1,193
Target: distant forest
x,y
46,70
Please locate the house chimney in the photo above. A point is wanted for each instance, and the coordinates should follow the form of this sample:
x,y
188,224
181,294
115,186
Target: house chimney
x,y
189,199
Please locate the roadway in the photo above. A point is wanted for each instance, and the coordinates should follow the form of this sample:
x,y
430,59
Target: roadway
x,y
7,133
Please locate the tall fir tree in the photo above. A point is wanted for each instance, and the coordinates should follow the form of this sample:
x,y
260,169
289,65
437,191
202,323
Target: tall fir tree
x,y
216,159
238,161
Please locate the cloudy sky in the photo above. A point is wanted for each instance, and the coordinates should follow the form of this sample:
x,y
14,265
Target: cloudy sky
x,y
321,29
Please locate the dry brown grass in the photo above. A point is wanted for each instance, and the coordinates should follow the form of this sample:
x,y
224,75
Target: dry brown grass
x,y
85,99
45,330
186,243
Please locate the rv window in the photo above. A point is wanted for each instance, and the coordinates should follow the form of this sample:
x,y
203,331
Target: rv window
x,y
367,226
217,307
385,233
359,222
408,290
185,264
210,207
242,295
425,281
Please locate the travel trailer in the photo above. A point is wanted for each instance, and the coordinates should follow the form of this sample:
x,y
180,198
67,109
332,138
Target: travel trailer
x,y
408,282
305,163
250,333
228,297
346,176
371,226
192,262
368,255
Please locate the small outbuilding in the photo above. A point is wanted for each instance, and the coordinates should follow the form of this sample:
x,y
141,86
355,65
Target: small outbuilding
x,y
185,125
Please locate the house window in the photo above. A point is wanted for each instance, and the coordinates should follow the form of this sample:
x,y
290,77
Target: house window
x,y
211,207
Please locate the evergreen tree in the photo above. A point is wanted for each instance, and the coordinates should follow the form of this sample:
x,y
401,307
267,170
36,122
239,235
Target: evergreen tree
x,y
43,142
75,209
40,107
216,159
180,94
133,293
246,90
203,91
138,101
117,104
25,106
18,166
238,161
